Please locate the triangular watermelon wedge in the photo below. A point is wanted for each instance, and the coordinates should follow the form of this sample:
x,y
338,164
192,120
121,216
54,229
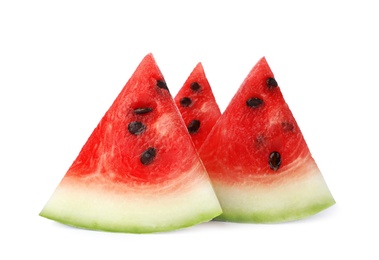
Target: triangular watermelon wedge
x,y
139,171
197,105
257,158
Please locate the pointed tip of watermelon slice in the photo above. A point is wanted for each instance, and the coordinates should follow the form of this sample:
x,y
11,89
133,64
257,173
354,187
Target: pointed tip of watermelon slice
x,y
147,61
148,58
198,71
150,55
199,65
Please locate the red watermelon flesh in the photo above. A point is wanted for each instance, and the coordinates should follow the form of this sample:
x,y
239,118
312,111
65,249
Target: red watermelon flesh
x,y
138,171
197,105
257,158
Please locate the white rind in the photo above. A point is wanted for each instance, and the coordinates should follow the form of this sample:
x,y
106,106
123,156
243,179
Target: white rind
x,y
285,199
121,209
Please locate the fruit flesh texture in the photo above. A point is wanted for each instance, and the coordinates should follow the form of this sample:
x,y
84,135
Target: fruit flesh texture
x,y
108,188
236,155
202,105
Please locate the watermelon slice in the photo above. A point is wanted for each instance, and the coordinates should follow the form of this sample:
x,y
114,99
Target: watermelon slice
x,y
139,171
257,158
197,105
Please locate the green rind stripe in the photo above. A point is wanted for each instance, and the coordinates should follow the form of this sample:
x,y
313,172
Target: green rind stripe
x,y
137,229
276,216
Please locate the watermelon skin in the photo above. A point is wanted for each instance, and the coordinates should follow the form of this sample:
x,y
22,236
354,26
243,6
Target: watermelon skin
x,y
196,101
236,154
114,185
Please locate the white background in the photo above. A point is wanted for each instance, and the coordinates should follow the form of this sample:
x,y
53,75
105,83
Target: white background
x,y
62,65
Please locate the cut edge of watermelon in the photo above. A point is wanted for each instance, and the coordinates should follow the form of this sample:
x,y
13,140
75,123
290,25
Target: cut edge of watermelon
x,y
80,204
292,197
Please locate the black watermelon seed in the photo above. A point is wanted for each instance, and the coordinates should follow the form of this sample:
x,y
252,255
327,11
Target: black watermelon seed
x,y
254,102
142,110
136,128
162,84
274,161
193,126
148,156
185,102
271,83
195,86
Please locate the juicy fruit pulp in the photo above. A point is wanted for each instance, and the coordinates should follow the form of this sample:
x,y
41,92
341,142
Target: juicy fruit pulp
x,y
197,105
258,161
129,177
